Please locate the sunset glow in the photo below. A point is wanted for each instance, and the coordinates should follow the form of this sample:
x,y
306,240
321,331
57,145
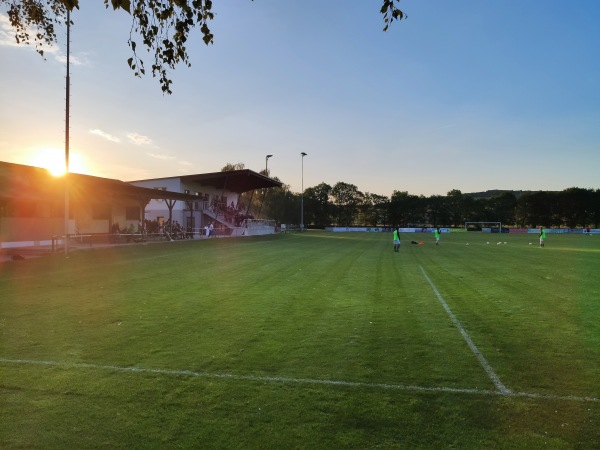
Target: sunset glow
x,y
53,159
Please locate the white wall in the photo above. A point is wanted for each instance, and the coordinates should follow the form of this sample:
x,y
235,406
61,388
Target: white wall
x,y
158,208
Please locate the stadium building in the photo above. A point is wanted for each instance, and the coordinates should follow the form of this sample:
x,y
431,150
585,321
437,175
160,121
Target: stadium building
x,y
33,202
216,198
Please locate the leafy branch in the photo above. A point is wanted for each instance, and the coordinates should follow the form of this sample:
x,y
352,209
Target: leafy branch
x,y
164,27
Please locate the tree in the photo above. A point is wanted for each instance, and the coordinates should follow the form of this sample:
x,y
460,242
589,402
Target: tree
x,y
538,208
346,198
374,210
437,211
317,205
502,208
594,212
406,209
455,201
229,167
574,206
163,27
282,205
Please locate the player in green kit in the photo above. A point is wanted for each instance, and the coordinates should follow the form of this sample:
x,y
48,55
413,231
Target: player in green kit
x,y
542,236
436,233
396,239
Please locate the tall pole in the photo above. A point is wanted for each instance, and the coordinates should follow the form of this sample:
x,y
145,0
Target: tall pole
x,y
302,198
265,189
68,93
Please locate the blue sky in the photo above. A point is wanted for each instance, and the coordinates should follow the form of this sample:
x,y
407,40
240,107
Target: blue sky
x,y
467,95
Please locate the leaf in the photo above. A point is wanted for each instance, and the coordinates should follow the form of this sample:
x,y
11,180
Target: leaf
x,y
123,4
70,4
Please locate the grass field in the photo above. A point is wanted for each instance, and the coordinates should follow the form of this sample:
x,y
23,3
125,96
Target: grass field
x,y
309,340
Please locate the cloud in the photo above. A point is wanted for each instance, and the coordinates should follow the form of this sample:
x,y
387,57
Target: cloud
x,y
76,60
185,163
159,156
7,39
7,34
108,137
139,139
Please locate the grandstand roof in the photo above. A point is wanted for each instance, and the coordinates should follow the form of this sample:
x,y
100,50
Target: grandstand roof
x,y
19,181
234,180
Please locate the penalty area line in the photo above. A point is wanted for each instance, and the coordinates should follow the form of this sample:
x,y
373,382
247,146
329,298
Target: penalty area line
x,y
290,380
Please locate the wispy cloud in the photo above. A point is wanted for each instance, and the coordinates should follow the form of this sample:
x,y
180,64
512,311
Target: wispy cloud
x,y
159,156
107,136
80,59
7,39
185,163
7,35
139,139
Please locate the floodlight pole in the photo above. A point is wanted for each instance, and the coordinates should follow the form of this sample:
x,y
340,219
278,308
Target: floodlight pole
x,y
302,198
68,93
265,189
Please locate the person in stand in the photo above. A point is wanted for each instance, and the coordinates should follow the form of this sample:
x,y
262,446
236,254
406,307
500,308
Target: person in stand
x,y
542,236
396,239
436,233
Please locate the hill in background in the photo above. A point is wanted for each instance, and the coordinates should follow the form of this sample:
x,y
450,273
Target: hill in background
x,y
496,192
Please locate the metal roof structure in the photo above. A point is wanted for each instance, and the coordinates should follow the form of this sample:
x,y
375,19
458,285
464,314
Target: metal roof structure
x,y
234,180
21,182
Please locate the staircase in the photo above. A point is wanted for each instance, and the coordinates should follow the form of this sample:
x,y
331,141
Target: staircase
x,y
213,215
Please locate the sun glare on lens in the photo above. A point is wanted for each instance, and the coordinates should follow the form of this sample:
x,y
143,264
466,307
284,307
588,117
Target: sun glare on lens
x,y
53,159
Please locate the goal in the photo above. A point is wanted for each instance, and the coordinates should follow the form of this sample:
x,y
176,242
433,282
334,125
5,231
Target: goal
x,y
486,227
256,227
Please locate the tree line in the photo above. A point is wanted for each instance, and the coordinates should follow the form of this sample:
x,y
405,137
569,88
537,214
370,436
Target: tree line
x,y
343,204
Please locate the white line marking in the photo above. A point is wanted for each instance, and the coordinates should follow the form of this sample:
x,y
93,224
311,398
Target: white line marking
x,y
470,343
229,376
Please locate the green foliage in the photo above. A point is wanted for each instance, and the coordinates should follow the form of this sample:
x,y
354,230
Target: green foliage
x,y
164,26
345,205
38,16
240,336
230,167
346,199
318,208
390,13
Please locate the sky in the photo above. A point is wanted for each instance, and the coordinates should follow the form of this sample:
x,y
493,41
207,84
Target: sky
x,y
466,95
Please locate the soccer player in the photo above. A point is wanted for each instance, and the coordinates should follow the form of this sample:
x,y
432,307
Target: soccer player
x,y
542,236
396,239
436,232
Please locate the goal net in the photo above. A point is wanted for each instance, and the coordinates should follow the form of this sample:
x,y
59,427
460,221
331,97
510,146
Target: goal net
x,y
255,227
486,227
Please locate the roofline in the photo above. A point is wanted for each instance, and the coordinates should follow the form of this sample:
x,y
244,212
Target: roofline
x,y
154,179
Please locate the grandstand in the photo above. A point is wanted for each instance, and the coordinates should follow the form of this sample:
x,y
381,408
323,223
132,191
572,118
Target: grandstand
x,y
109,211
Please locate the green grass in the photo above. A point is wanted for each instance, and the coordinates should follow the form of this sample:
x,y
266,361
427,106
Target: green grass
x,y
311,340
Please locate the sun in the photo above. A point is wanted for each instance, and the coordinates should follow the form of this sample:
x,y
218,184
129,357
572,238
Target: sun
x,y
53,159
